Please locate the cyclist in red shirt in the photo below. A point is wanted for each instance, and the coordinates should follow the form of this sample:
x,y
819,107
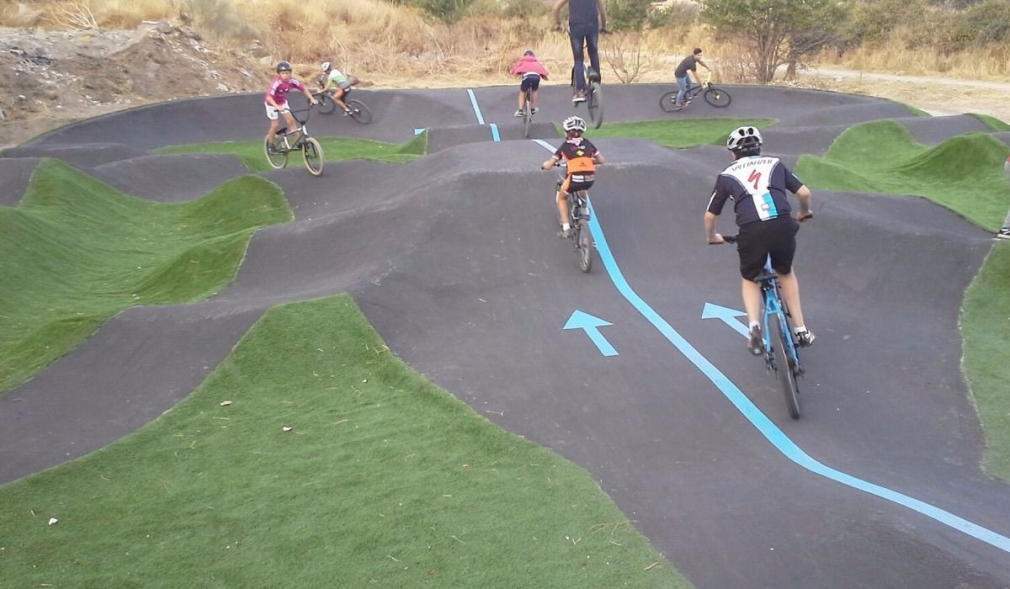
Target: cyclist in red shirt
x,y
581,157
276,100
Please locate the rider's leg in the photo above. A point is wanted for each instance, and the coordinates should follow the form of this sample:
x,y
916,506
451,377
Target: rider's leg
x,y
682,85
592,47
292,128
791,293
274,123
535,86
561,197
338,97
752,301
577,36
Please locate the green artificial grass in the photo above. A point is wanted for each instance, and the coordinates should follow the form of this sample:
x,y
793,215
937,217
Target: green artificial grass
x,y
985,326
76,251
334,149
992,122
964,173
680,133
383,480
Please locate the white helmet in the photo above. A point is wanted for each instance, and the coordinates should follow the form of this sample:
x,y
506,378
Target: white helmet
x,y
743,138
326,66
574,124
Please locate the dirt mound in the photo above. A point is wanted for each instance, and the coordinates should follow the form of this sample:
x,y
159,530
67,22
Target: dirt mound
x,y
49,78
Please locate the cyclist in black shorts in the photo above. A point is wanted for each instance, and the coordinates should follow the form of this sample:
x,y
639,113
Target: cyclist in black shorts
x,y
586,20
757,186
581,158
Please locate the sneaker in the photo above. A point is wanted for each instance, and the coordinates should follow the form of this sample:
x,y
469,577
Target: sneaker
x,y
579,97
519,114
756,343
1004,233
534,111
565,233
804,339
347,113
271,150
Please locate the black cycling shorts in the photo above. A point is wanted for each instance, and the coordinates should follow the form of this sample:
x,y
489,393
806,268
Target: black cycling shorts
x,y
530,82
759,239
571,186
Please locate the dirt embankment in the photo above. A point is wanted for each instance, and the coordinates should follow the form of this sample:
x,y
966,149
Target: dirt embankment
x,y
50,78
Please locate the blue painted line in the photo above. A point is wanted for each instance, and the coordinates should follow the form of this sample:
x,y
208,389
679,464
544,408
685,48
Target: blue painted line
x,y
544,144
419,131
727,316
476,109
494,132
765,426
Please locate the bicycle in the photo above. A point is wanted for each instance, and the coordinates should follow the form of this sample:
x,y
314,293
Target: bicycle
x,y
594,96
358,110
781,351
277,152
713,95
528,112
578,220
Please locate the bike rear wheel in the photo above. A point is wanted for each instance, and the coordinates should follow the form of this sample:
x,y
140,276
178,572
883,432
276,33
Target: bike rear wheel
x,y
527,117
718,97
359,112
326,103
784,365
277,154
313,153
584,245
668,102
594,102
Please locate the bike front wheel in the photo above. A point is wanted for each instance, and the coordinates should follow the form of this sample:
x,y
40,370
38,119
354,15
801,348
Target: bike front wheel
x,y
594,102
326,103
359,112
313,153
785,367
718,97
277,154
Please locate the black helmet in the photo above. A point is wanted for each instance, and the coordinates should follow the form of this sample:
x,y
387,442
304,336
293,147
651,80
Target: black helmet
x,y
743,139
529,52
283,66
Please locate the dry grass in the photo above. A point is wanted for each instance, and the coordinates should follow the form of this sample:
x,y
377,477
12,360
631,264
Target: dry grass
x,y
383,43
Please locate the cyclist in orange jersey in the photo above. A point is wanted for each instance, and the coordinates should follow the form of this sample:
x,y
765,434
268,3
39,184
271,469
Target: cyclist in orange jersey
x,y
581,158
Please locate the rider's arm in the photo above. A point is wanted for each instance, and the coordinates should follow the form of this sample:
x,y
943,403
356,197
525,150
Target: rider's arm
x,y
603,14
549,163
557,12
598,158
307,93
804,194
710,235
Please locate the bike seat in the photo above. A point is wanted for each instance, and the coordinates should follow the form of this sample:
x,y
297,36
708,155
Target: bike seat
x,y
765,277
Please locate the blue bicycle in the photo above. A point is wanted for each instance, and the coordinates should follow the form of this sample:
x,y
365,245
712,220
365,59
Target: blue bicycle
x,y
780,350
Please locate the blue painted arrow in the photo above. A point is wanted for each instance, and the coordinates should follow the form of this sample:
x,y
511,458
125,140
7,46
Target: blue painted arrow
x,y
419,131
591,324
727,316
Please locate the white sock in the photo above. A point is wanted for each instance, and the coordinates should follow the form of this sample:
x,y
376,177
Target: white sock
x,y
799,329
754,324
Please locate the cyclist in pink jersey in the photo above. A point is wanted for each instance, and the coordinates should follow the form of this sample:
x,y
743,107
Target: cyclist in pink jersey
x,y
276,100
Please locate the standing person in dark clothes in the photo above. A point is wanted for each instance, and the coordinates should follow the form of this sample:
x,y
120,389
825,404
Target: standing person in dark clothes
x,y
586,20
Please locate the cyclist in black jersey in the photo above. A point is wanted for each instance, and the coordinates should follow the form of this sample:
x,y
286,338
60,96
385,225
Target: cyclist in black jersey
x,y
757,186
586,20
581,158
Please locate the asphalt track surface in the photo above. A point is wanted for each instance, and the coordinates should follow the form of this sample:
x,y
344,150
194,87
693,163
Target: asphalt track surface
x,y
454,260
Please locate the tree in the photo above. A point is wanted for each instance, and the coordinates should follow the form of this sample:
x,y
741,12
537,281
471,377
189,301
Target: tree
x,y
775,32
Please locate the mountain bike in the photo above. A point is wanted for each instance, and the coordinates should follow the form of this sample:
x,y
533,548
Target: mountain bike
x,y
578,220
358,110
713,95
277,152
594,96
781,351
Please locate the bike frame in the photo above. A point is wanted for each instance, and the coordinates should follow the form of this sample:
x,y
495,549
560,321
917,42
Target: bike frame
x,y
775,310
302,128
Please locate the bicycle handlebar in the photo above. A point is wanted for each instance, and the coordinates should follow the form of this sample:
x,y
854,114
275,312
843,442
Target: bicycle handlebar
x,y
734,238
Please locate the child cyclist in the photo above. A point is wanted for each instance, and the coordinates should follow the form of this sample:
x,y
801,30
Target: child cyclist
x,y
531,71
276,100
581,158
340,84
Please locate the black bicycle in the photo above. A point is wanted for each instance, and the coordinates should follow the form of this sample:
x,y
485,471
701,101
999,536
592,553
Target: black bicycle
x,y
713,95
780,349
578,220
357,109
280,148
594,95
